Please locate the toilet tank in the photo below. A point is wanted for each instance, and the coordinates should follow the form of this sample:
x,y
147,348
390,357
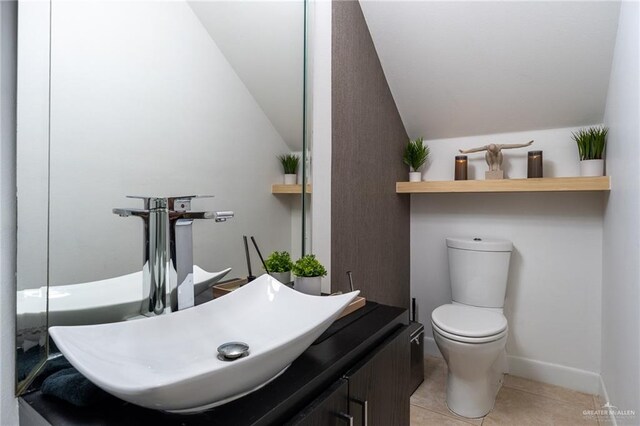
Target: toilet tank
x,y
478,270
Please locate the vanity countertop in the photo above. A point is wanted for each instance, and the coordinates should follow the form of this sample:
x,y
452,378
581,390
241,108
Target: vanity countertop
x,y
340,347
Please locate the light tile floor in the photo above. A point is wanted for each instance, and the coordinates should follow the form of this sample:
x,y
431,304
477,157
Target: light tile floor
x,y
520,402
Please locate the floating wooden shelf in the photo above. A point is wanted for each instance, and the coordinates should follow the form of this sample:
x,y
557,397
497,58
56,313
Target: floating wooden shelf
x,y
560,184
278,188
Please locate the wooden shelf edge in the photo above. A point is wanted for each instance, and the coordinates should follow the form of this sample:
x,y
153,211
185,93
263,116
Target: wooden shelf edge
x,y
560,184
278,188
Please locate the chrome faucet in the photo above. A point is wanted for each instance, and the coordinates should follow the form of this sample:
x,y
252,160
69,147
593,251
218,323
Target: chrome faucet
x,y
167,268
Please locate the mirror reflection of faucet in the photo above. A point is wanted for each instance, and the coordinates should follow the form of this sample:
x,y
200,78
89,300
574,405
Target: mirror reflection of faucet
x,y
168,250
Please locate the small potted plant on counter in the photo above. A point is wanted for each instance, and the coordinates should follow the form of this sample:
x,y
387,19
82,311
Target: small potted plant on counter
x,y
308,273
591,145
279,265
415,155
290,164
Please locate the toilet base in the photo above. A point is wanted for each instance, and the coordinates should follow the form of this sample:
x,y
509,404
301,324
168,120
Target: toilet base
x,y
472,399
475,374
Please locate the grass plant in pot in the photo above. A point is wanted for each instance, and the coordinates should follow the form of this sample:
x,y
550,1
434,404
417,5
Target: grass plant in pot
x,y
308,272
290,164
415,155
279,265
591,146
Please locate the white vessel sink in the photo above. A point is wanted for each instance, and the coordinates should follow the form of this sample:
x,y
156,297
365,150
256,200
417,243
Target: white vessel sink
x,y
171,362
96,302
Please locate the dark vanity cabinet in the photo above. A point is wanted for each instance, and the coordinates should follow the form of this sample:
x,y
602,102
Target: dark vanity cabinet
x,y
373,392
329,409
379,385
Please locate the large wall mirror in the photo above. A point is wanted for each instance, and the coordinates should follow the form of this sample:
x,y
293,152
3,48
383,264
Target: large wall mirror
x,y
152,98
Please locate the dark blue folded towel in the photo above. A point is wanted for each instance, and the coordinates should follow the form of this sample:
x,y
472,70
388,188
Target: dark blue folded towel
x,y
28,360
71,386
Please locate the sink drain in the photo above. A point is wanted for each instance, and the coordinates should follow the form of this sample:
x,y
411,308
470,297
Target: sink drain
x,y
232,350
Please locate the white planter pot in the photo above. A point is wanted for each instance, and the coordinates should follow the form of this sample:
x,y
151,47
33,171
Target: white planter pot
x,y
291,179
415,176
592,168
283,277
308,285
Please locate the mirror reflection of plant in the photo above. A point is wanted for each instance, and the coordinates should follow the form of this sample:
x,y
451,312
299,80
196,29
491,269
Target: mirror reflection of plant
x,y
591,142
415,154
290,163
308,266
279,261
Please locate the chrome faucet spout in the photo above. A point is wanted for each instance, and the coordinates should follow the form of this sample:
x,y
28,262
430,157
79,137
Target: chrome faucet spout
x,y
168,282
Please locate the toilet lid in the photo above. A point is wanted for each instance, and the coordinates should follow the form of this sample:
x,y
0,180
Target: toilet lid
x,y
468,321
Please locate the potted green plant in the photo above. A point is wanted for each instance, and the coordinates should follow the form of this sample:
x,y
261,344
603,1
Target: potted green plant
x,y
308,272
279,265
290,163
415,155
591,146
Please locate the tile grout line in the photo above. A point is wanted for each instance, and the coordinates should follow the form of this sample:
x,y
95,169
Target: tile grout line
x,y
548,397
448,415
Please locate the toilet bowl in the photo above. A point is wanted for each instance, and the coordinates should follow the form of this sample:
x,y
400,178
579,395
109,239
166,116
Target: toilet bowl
x,y
472,341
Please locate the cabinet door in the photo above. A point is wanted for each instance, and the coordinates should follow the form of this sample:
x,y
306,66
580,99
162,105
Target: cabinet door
x,y
329,409
379,385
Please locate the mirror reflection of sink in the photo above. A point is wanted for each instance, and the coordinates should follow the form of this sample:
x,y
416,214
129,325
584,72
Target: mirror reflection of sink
x,y
171,362
110,300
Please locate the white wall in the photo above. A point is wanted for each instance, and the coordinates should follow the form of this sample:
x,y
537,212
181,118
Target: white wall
x,y
553,294
8,36
621,247
145,103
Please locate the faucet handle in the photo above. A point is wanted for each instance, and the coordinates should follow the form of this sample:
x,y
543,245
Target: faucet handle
x,y
131,212
223,216
217,216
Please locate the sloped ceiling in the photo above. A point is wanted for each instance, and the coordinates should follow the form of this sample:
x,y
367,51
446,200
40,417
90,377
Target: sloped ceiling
x,y
263,41
471,68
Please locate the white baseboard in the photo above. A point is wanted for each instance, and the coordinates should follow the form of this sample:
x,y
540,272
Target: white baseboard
x,y
553,374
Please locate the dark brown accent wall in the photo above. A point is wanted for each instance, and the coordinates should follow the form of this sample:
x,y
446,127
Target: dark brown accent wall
x,y
369,221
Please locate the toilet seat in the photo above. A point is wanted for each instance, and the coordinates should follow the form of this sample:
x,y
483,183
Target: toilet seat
x,y
472,340
468,324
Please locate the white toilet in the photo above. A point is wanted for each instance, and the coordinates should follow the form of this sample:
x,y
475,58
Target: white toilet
x,y
471,332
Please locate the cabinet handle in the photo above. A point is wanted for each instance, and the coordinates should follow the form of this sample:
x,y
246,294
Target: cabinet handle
x,y
346,417
365,410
